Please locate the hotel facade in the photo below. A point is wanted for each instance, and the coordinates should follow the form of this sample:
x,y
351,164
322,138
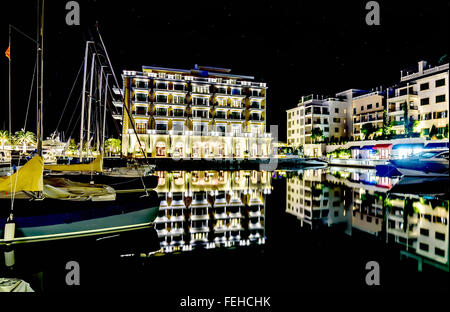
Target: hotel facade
x,y
203,112
420,98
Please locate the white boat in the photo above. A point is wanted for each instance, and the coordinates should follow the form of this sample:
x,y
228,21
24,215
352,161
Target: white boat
x,y
426,164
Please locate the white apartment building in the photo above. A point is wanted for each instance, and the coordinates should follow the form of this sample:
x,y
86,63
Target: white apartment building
x,y
426,92
328,115
367,109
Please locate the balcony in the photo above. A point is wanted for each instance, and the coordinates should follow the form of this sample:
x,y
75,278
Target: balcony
x,y
179,88
140,88
220,116
256,107
161,113
154,131
256,119
256,95
398,123
162,87
235,119
140,99
140,114
201,117
221,92
178,115
240,107
161,100
199,104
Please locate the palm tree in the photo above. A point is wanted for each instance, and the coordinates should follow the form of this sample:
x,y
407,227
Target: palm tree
x,y
367,129
113,145
5,137
316,133
24,137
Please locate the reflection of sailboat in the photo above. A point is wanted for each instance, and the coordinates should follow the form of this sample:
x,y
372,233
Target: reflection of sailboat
x,y
55,208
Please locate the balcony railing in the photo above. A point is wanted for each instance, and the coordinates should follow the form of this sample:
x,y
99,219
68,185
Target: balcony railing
x,y
140,99
219,91
140,114
161,113
220,116
178,115
140,86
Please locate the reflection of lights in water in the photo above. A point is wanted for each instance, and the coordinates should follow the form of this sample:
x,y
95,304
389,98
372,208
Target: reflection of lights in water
x,y
227,214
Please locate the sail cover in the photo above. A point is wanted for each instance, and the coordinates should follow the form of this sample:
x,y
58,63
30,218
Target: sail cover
x,y
27,178
95,166
61,188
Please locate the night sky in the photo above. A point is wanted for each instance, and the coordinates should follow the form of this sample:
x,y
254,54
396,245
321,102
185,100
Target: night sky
x,y
296,47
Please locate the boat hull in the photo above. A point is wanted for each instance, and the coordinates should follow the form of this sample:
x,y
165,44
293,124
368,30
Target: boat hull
x,y
51,219
421,168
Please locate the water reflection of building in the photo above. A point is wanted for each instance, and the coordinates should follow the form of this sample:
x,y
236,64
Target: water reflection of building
x,y
368,192
211,208
418,226
314,202
421,226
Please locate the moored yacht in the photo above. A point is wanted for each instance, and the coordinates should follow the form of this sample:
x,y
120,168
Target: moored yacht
x,y
425,164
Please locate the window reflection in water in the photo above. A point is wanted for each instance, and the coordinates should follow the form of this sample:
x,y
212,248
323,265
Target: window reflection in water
x,y
211,209
357,201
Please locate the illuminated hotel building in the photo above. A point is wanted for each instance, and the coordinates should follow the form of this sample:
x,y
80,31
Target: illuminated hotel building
x,y
211,208
203,112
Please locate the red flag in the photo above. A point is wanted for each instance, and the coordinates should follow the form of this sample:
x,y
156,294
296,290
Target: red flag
x,y
7,53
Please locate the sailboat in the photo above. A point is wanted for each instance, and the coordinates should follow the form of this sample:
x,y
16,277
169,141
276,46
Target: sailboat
x,y
65,209
49,208
123,178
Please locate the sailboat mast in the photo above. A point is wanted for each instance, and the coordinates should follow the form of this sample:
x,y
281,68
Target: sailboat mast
x,y
88,138
99,148
83,98
104,115
40,76
9,85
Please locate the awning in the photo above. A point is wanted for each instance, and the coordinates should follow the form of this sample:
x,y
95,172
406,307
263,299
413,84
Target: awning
x,y
437,145
354,147
381,146
408,146
367,147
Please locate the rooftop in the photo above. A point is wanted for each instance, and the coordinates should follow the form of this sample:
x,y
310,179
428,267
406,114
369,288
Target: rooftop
x,y
423,70
201,71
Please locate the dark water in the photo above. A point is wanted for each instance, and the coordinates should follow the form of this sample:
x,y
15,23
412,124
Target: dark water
x,y
263,232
